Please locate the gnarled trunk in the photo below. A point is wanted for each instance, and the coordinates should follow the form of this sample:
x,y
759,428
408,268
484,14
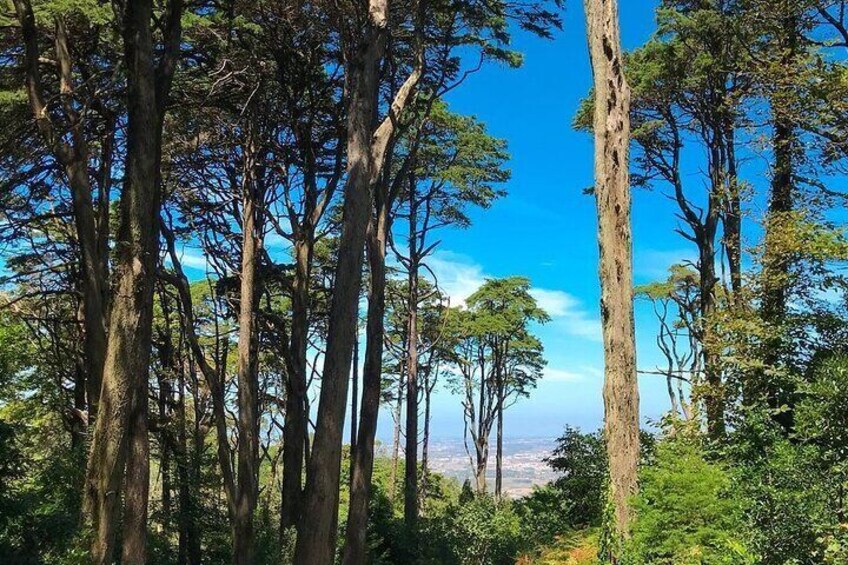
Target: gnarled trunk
x,y
612,194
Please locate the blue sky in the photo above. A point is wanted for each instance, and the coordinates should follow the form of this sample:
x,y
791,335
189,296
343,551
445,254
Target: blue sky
x,y
546,228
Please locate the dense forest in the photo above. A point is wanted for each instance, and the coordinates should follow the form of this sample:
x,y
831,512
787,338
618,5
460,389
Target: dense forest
x,y
159,409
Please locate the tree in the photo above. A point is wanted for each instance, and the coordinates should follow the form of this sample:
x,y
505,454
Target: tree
x,y
612,194
120,441
497,360
68,135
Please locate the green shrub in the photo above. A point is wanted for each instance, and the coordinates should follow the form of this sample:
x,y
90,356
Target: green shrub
x,y
686,512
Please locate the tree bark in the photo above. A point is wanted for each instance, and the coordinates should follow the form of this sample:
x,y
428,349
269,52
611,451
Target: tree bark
x,y
612,193
410,491
316,539
356,542
247,489
120,434
295,426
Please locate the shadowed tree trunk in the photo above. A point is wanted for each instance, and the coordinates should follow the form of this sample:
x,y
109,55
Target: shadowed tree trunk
x,y
295,427
120,435
316,539
776,262
356,542
612,194
247,489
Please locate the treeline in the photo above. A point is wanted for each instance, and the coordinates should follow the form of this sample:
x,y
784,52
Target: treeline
x,y
306,151
160,406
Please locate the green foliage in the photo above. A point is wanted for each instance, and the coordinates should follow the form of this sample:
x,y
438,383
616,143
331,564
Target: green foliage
x,y
482,532
687,512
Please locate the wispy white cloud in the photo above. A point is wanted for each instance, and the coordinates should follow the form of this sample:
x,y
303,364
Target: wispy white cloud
x,y
653,264
194,259
458,276
190,259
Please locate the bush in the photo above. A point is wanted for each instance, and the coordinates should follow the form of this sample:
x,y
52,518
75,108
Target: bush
x,y
686,512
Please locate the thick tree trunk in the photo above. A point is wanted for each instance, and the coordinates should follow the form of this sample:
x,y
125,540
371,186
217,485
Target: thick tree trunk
x,y
356,542
120,434
612,193
316,539
247,489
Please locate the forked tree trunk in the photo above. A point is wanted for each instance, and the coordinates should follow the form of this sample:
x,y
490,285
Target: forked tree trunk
x,y
317,538
612,193
73,156
356,542
481,447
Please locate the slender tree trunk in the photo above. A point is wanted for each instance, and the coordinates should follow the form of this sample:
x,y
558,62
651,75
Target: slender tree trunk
x,y
188,551
410,491
295,426
247,490
425,440
777,263
499,447
713,395
73,156
398,411
316,540
356,542
354,396
612,193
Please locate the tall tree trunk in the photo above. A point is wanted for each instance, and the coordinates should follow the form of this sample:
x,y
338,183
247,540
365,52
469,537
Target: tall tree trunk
x,y
398,412
499,446
295,426
120,434
425,439
410,490
247,489
713,394
354,397
316,540
356,542
776,261
612,193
